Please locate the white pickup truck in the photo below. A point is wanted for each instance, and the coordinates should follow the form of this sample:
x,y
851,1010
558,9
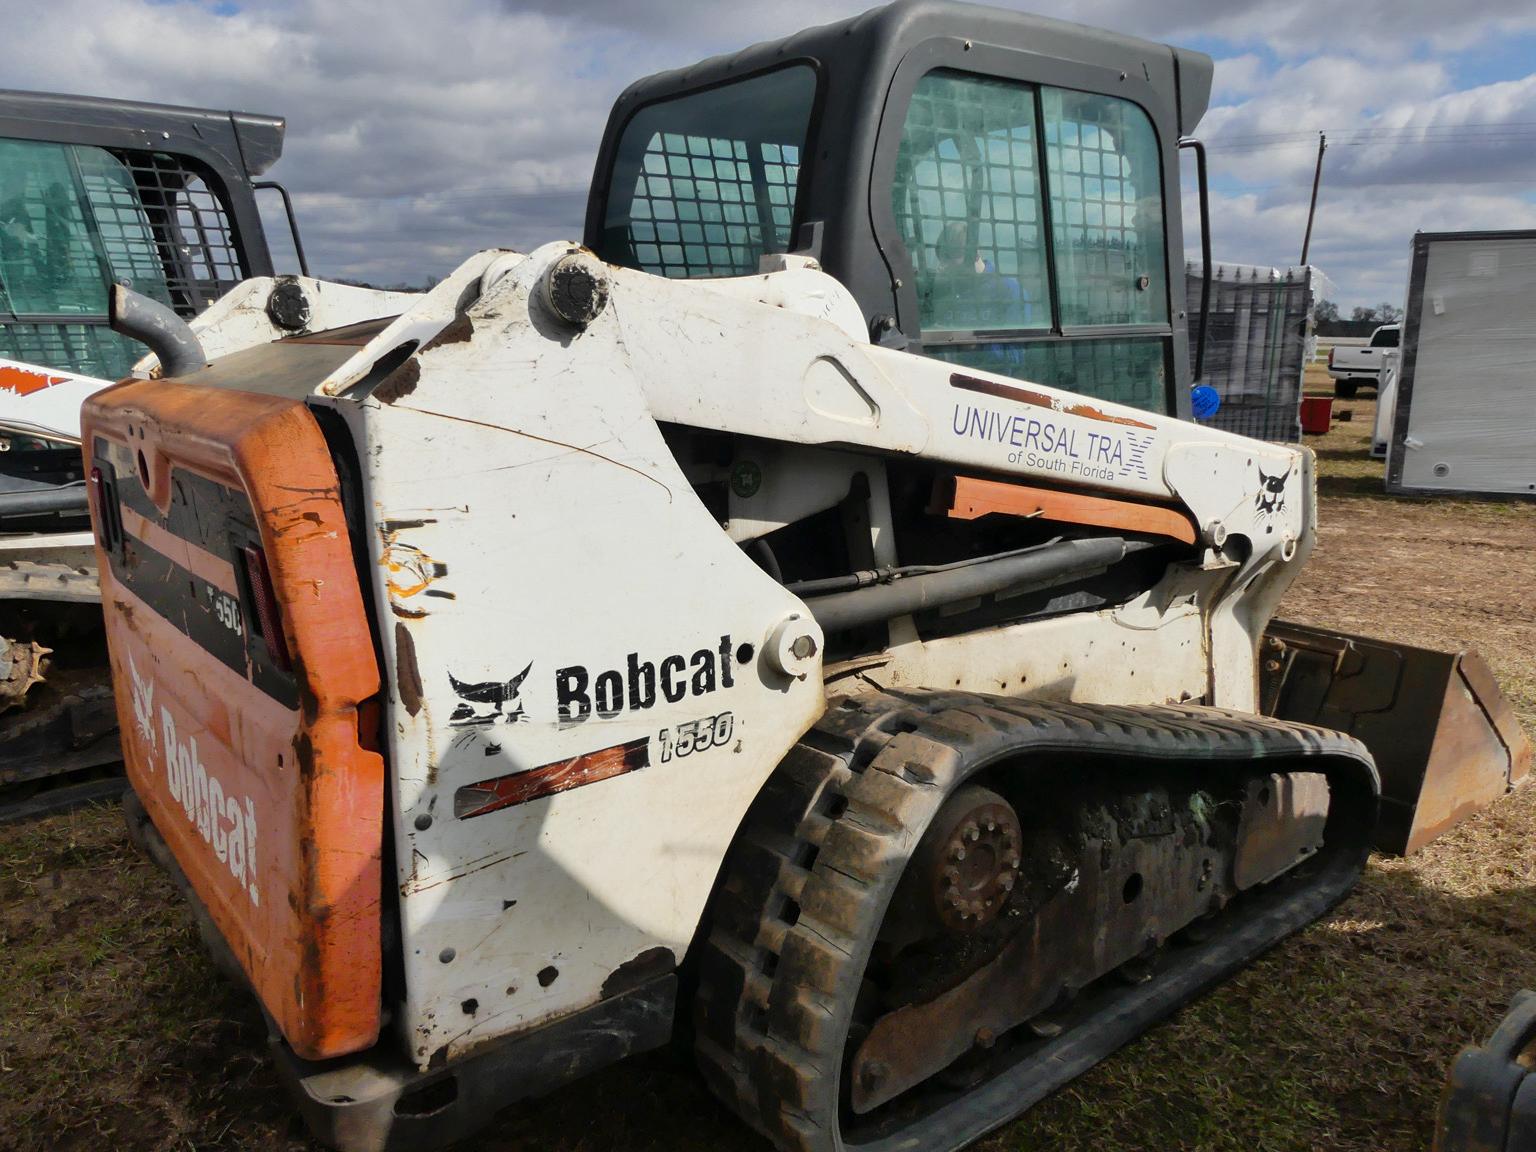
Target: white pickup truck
x,y
1351,365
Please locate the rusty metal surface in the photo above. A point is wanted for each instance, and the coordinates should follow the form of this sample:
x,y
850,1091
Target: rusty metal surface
x,y
968,862
258,772
1490,1097
1282,824
1099,888
1445,740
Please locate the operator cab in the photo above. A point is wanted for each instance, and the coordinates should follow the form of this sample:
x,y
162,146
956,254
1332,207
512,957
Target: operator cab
x,y
997,190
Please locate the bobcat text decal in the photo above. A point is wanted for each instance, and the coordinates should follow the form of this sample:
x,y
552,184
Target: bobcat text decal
x,y
225,821
636,686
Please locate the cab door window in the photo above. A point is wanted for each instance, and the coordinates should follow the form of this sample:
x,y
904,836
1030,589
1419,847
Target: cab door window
x,y
1058,277
50,261
967,201
72,222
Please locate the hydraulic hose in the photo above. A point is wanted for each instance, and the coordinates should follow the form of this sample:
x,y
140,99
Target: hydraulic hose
x,y
1041,567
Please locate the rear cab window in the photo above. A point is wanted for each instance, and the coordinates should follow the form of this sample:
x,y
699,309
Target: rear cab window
x,y
1385,337
706,183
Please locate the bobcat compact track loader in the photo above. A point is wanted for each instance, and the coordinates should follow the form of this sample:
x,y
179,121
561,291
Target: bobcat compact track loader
x,y
802,620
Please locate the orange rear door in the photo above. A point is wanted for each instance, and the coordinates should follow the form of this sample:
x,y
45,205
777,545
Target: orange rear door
x,y
246,681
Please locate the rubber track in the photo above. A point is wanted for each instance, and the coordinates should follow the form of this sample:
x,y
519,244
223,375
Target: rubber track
x,y
62,798
814,865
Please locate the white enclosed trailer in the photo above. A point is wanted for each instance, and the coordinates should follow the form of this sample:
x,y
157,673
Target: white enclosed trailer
x,y
1465,413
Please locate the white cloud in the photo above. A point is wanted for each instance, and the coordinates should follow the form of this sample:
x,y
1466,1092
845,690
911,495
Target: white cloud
x,y
418,135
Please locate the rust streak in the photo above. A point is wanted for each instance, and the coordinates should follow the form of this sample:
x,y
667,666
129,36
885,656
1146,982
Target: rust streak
x,y
407,674
560,444
1040,400
479,867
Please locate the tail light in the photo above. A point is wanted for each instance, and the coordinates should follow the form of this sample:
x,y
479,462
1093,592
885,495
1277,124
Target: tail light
x,y
106,523
1331,351
264,599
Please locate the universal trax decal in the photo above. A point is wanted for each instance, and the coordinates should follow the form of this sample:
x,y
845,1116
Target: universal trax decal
x,y
1048,442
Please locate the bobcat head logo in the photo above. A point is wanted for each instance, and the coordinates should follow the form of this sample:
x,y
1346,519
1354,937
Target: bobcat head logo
x,y
143,705
484,703
1270,499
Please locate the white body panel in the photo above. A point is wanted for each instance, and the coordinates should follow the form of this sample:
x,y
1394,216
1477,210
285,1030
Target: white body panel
x,y
1386,405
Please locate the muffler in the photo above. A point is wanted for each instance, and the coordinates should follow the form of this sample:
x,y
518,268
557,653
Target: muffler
x,y
1446,741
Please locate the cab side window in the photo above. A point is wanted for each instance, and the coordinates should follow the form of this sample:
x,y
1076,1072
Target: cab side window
x,y
705,184
1106,210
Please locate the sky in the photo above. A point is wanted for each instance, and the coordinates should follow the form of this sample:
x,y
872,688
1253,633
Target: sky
x,y
419,133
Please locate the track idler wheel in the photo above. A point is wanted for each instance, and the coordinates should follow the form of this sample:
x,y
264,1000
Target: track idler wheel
x,y
21,666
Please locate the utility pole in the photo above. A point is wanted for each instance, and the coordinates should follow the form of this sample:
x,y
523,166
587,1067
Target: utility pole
x,y
1317,178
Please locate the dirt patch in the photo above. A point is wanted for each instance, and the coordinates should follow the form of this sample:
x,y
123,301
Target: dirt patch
x,y
115,1031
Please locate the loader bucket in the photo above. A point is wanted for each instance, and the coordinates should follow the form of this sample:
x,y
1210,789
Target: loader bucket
x,y
1446,741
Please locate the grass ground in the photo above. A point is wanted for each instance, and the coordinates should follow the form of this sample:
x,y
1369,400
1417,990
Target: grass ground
x,y
116,1033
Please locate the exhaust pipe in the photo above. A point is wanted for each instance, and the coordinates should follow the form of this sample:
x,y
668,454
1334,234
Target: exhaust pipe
x,y
151,323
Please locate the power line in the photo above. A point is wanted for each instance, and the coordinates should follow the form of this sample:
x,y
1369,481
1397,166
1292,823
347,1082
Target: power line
x,y
1513,132
1311,133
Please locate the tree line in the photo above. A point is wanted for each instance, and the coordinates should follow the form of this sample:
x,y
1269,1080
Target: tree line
x,y
1327,312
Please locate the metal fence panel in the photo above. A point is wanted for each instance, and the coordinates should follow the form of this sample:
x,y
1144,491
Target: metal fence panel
x,y
1259,334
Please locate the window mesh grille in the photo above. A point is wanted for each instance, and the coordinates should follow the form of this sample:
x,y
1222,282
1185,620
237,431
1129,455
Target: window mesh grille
x,y
966,198
192,236
704,184
699,211
1106,209
91,349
